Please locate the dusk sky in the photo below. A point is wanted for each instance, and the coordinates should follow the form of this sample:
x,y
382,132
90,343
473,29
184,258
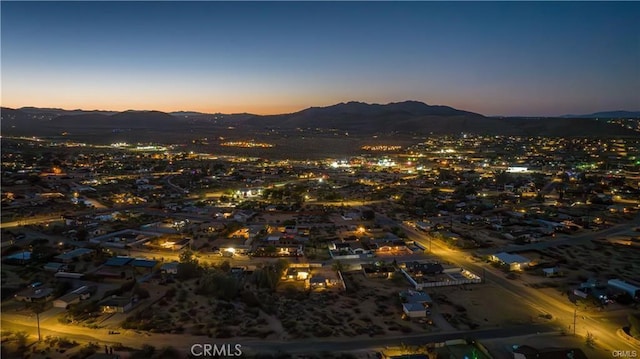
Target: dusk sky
x,y
493,58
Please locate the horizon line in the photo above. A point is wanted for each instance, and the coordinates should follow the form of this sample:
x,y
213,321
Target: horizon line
x,y
302,109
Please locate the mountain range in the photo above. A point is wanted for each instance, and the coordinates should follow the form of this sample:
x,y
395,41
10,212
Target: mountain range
x,y
607,114
408,117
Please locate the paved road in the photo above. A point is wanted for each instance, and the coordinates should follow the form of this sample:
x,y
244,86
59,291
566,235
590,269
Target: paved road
x,y
184,342
29,221
57,217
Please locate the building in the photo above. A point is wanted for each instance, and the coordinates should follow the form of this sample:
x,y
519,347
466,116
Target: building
x,y
72,297
415,304
378,271
420,269
412,296
18,258
632,290
116,304
75,254
55,267
551,272
297,274
414,310
318,282
37,294
513,261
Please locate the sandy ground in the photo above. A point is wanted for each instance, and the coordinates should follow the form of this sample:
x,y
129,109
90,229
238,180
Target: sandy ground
x,y
502,348
599,260
480,306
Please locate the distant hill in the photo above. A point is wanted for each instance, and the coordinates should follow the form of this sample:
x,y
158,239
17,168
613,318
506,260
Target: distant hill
x,y
607,114
409,117
359,116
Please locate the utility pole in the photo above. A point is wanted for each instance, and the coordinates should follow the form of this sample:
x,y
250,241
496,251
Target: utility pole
x,y
38,319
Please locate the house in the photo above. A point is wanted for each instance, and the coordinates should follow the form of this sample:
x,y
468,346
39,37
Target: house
x,y
424,226
244,215
412,296
116,304
55,267
118,261
297,274
341,247
551,272
392,246
414,310
72,297
620,285
318,282
18,258
513,261
75,254
421,269
143,263
34,294
377,271
415,304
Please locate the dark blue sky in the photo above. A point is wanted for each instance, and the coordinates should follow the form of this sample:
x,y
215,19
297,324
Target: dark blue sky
x,y
510,58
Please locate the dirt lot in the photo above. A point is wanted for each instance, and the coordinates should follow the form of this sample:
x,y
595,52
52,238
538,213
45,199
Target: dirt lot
x,y
502,348
370,307
601,260
475,306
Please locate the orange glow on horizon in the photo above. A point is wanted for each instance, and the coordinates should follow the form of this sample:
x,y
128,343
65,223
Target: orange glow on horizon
x,y
225,109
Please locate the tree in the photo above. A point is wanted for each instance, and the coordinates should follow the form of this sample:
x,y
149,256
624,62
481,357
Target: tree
x,y
225,266
188,267
219,284
269,276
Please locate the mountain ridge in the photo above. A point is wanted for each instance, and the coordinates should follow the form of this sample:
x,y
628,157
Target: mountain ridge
x,y
606,114
408,117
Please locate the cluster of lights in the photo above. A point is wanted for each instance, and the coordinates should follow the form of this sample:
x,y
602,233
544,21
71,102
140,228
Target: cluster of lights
x,y
380,148
244,144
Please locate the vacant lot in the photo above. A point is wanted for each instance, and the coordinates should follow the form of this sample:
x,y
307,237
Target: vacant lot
x,y
478,306
598,259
